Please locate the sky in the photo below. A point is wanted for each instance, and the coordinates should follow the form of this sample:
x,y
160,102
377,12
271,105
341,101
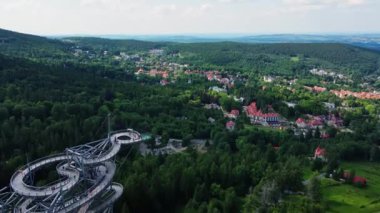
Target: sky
x,y
180,17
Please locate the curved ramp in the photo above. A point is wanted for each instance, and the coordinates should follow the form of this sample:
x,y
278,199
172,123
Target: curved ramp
x,y
74,166
117,191
21,188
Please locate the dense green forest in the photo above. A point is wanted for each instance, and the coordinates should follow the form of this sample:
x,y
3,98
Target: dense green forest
x,y
50,100
260,58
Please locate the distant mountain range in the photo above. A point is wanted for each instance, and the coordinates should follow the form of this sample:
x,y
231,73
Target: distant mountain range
x,y
334,51
371,41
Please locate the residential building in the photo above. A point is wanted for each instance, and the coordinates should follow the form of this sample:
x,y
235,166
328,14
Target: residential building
x,y
301,123
233,114
257,116
230,125
218,89
269,79
320,153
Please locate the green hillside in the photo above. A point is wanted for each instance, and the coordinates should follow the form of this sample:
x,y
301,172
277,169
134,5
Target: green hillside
x,y
115,45
347,58
31,46
258,58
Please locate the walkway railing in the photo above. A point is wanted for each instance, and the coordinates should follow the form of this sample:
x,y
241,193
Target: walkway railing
x,y
70,166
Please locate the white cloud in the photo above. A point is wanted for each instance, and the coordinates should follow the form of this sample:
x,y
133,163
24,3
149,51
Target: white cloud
x,y
356,2
318,4
164,10
188,16
206,7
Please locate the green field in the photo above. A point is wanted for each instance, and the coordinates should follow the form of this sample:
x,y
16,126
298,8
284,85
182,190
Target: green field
x,y
295,59
346,198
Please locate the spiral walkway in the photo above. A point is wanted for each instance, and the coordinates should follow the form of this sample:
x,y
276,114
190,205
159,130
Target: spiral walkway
x,y
85,172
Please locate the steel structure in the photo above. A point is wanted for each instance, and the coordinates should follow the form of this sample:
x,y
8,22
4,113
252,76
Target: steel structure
x,y
85,179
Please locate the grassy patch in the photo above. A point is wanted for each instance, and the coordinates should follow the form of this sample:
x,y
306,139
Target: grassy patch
x,y
347,198
307,173
295,59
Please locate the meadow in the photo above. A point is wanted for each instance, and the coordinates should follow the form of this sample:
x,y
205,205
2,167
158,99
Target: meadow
x,y
341,197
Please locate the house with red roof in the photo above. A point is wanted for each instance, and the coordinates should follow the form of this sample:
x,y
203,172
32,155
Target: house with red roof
x,y
319,89
316,122
230,125
233,114
334,121
153,72
315,89
257,116
357,180
360,181
320,153
301,123
165,74
210,76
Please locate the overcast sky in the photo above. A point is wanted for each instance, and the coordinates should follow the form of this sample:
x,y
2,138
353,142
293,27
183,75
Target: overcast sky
x,y
144,17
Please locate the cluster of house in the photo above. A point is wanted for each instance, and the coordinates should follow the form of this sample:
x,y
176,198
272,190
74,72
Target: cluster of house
x,y
321,72
360,95
319,121
169,66
257,116
320,153
314,122
153,73
346,93
156,52
234,114
78,52
227,81
315,89
126,57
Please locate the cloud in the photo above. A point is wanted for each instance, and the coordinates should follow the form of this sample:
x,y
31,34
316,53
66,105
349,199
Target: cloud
x,y
206,7
17,4
165,9
188,16
230,1
320,4
356,2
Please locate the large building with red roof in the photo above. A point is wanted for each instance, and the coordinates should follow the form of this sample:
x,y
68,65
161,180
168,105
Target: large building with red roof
x,y
257,116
